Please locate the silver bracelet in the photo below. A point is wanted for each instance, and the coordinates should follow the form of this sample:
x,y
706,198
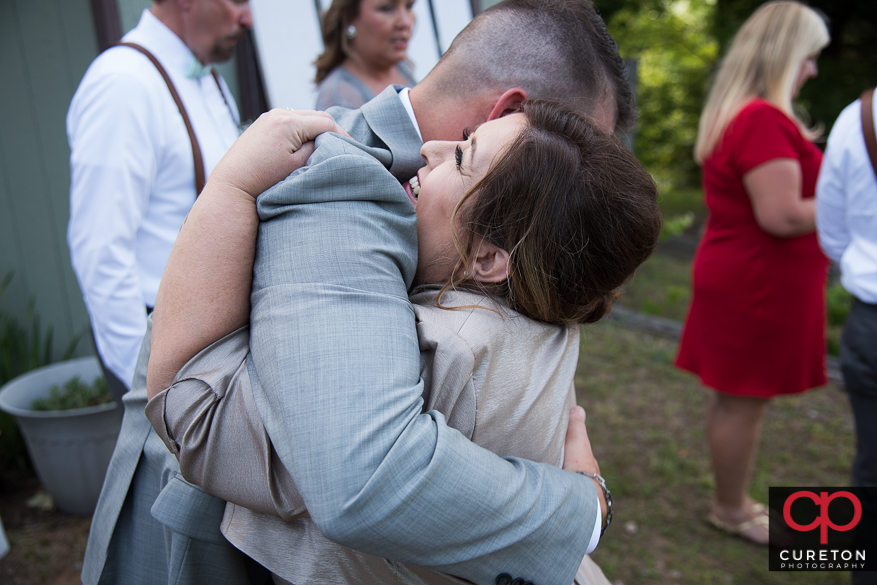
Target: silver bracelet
x,y
606,493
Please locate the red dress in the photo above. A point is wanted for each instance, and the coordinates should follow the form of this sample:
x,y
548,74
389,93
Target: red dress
x,y
756,325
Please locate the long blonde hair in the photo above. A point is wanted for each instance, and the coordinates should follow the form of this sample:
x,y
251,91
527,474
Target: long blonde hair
x,y
764,60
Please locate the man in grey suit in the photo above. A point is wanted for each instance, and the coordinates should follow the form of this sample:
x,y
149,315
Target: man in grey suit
x,y
376,473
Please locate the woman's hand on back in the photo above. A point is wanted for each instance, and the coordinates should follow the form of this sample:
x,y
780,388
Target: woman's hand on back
x,y
275,145
205,289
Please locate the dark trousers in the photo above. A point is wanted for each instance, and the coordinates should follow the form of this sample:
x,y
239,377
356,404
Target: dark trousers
x,y
858,360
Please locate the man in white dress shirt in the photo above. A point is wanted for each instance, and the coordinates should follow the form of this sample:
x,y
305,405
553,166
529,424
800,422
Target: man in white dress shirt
x,y
846,222
132,163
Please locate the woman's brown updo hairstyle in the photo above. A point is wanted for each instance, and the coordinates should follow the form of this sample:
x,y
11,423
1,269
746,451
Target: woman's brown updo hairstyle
x,y
574,209
335,21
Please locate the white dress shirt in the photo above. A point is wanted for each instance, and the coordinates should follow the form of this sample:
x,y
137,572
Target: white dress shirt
x,y
846,205
133,180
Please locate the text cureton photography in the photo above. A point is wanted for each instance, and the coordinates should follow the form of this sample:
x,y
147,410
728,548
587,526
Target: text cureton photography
x,y
822,528
846,560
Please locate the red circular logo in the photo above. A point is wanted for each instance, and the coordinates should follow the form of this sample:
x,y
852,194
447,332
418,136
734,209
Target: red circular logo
x,y
823,522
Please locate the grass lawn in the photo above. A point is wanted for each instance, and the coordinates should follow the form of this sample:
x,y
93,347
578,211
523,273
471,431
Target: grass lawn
x,y
646,423
662,286
645,420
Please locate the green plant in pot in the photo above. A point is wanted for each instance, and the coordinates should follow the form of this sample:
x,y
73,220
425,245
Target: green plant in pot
x,y
70,443
75,394
24,345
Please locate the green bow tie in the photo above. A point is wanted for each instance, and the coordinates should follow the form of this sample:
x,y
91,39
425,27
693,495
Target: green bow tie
x,y
197,70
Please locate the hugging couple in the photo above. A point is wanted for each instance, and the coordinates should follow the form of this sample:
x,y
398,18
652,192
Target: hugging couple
x,y
365,344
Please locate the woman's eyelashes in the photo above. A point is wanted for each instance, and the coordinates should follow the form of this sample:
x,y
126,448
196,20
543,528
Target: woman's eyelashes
x,y
458,152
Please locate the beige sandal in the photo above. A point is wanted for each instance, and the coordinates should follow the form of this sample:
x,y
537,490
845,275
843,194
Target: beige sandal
x,y
761,519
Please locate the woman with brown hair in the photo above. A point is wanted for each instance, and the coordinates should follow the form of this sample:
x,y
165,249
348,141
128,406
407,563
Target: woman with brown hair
x,y
525,230
756,325
365,45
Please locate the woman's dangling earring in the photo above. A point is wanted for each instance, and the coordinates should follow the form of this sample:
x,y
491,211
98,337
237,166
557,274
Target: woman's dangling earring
x,y
351,32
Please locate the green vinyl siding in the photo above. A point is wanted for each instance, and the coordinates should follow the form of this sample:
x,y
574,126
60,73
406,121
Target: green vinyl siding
x,y
45,48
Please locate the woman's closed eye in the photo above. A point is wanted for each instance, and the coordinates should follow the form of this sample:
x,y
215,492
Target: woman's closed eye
x,y
458,152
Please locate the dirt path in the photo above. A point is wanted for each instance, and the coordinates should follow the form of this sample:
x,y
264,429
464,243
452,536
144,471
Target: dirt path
x,y
47,547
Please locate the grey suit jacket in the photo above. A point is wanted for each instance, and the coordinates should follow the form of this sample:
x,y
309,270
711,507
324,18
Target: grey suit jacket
x,y
335,374
150,526
504,381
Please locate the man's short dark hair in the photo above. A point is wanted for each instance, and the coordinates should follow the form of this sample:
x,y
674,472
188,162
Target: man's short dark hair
x,y
555,49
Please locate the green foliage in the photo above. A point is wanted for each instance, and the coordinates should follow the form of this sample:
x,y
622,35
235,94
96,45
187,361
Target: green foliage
x,y
839,301
75,394
20,352
675,51
847,66
676,225
22,348
677,45
661,286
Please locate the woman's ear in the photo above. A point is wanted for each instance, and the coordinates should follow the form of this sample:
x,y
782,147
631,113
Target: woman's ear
x,y
491,263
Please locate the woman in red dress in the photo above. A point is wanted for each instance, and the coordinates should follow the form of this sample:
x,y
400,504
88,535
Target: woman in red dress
x,y
756,325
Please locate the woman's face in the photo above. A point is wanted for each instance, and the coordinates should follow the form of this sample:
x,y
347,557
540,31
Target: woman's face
x,y
807,71
452,169
383,28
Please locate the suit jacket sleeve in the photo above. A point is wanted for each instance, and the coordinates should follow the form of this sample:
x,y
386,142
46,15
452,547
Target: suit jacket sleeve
x,y
208,420
335,375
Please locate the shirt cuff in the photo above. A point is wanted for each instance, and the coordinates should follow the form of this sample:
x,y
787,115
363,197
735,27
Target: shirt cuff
x,y
598,524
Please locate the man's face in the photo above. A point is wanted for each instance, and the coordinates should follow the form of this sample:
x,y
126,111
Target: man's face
x,y
213,27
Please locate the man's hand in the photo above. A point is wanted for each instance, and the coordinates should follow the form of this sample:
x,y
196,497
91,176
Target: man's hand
x,y
578,456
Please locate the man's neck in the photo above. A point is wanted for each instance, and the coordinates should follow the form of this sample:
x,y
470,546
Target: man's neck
x,y
442,117
436,121
170,16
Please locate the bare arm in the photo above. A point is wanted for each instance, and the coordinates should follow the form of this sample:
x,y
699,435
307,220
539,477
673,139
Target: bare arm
x,y
205,289
775,191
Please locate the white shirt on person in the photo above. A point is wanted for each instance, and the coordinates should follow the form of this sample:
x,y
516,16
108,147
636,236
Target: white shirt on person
x,y
133,179
846,205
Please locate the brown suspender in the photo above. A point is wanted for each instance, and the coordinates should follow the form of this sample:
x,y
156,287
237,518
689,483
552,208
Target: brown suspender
x,y
196,150
868,127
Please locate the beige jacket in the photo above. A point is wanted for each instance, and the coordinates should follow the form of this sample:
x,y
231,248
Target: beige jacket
x,y
501,379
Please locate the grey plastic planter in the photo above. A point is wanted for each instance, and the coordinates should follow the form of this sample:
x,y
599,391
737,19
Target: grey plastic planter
x,y
70,449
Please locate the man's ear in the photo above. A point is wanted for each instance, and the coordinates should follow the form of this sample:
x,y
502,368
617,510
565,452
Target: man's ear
x,y
491,264
508,103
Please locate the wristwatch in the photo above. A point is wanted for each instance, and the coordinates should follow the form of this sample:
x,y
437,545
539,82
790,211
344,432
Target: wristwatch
x,y
606,493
